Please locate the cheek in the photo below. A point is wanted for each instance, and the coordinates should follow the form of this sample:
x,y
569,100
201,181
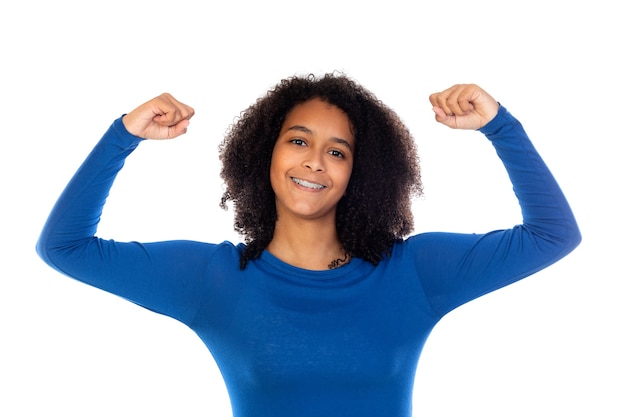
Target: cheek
x,y
273,175
347,174
276,169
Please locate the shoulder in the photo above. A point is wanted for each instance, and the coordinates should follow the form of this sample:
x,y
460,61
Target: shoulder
x,y
226,249
432,247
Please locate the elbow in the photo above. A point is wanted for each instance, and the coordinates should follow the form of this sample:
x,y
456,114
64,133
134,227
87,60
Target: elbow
x,y
570,239
557,241
42,247
575,237
49,253
47,249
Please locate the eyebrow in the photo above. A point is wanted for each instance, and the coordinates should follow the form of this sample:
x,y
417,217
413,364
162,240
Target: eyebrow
x,y
304,129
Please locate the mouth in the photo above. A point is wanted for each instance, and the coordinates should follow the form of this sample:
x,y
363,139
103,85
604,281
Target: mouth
x,y
307,184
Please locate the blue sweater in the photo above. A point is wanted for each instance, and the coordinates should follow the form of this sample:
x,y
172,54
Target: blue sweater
x,y
292,342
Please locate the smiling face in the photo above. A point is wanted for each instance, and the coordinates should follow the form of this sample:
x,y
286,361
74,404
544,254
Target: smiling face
x,y
312,161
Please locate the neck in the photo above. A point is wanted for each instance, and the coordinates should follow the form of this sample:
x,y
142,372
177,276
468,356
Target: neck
x,y
308,245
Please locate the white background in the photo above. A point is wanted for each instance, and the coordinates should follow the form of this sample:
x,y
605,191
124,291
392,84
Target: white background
x,y
551,345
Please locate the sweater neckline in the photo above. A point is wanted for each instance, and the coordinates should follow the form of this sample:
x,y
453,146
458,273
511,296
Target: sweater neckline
x,y
330,277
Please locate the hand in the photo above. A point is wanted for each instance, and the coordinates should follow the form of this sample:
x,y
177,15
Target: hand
x,y
163,117
464,106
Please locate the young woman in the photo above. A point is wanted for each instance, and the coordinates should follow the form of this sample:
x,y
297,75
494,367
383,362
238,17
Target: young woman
x,y
324,310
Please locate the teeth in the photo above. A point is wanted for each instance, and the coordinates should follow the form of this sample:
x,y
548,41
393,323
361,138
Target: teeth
x,y
307,184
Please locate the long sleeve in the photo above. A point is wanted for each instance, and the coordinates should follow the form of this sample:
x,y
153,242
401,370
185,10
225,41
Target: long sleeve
x,y
456,268
350,337
162,276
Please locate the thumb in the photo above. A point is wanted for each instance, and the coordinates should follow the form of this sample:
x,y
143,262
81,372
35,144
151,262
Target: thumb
x,y
442,117
178,129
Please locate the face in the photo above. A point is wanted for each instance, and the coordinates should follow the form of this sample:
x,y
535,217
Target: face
x,y
312,161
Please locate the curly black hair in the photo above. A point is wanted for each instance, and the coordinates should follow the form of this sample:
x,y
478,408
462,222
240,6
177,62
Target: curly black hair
x,y
376,209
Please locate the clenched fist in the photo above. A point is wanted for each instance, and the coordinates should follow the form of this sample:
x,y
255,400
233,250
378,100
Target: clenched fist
x,y
464,106
163,117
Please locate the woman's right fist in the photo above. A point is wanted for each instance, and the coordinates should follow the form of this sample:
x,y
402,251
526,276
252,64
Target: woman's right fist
x,y
163,117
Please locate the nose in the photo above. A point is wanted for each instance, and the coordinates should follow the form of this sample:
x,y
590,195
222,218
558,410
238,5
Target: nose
x,y
314,161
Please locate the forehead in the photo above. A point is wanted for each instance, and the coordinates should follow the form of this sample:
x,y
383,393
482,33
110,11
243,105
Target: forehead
x,y
315,104
320,114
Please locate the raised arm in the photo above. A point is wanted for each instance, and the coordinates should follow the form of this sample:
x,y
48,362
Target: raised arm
x,y
162,276
456,268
